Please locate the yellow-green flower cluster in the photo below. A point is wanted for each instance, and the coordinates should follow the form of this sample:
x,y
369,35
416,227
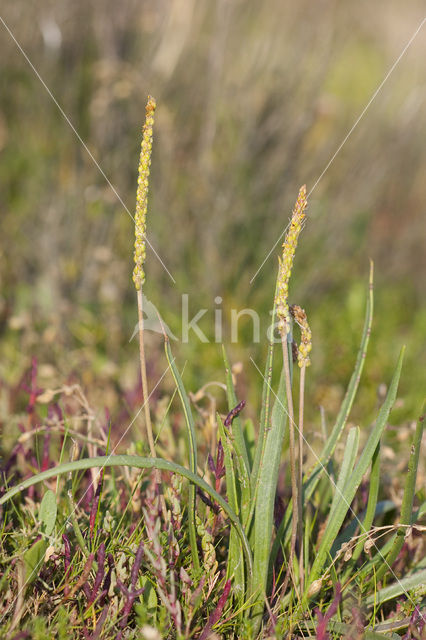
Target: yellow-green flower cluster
x,y
305,345
142,195
286,262
207,545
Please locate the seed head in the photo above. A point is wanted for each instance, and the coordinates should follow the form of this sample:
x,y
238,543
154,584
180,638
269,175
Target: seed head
x,y
286,262
142,195
305,345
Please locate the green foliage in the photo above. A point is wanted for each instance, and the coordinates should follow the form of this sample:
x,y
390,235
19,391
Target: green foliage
x,y
336,528
78,562
48,512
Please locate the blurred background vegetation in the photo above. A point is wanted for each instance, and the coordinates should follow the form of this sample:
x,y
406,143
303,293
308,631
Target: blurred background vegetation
x,y
254,98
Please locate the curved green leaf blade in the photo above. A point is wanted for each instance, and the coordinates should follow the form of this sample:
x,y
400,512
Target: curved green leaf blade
x,y
346,407
265,498
138,462
348,494
266,404
235,569
407,503
192,446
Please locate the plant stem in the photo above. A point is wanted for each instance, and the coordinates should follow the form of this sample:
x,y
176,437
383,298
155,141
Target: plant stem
x,y
300,496
157,475
144,376
293,464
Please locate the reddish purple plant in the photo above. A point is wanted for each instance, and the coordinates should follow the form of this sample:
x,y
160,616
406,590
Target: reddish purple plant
x,y
324,619
217,469
417,627
234,412
215,616
99,626
357,625
99,576
95,504
132,593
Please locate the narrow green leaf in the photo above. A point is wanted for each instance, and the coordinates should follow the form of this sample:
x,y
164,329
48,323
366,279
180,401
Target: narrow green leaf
x,y
138,462
242,463
265,410
407,503
279,411
48,511
349,457
237,431
265,498
189,420
346,407
235,568
382,507
231,487
373,635
373,494
421,511
366,570
414,580
348,494
250,439
314,476
192,447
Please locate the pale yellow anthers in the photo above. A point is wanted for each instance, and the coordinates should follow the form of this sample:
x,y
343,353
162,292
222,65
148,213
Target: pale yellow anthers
x,y
142,195
286,262
305,345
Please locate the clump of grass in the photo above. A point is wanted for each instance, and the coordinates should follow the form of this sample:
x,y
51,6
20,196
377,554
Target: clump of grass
x,y
142,557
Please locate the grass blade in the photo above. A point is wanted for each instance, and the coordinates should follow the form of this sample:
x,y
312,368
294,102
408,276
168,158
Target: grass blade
x,y
349,456
336,519
242,467
237,431
264,510
139,462
373,494
192,447
283,532
235,569
266,404
412,581
348,400
407,502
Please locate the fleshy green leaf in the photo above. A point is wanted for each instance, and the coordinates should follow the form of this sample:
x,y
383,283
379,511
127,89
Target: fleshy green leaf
x,y
48,512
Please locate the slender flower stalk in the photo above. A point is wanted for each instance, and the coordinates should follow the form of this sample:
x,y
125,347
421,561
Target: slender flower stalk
x,y
303,360
140,250
139,258
283,313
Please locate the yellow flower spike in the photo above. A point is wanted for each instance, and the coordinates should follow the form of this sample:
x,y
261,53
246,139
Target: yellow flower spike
x,y
286,262
142,195
305,345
